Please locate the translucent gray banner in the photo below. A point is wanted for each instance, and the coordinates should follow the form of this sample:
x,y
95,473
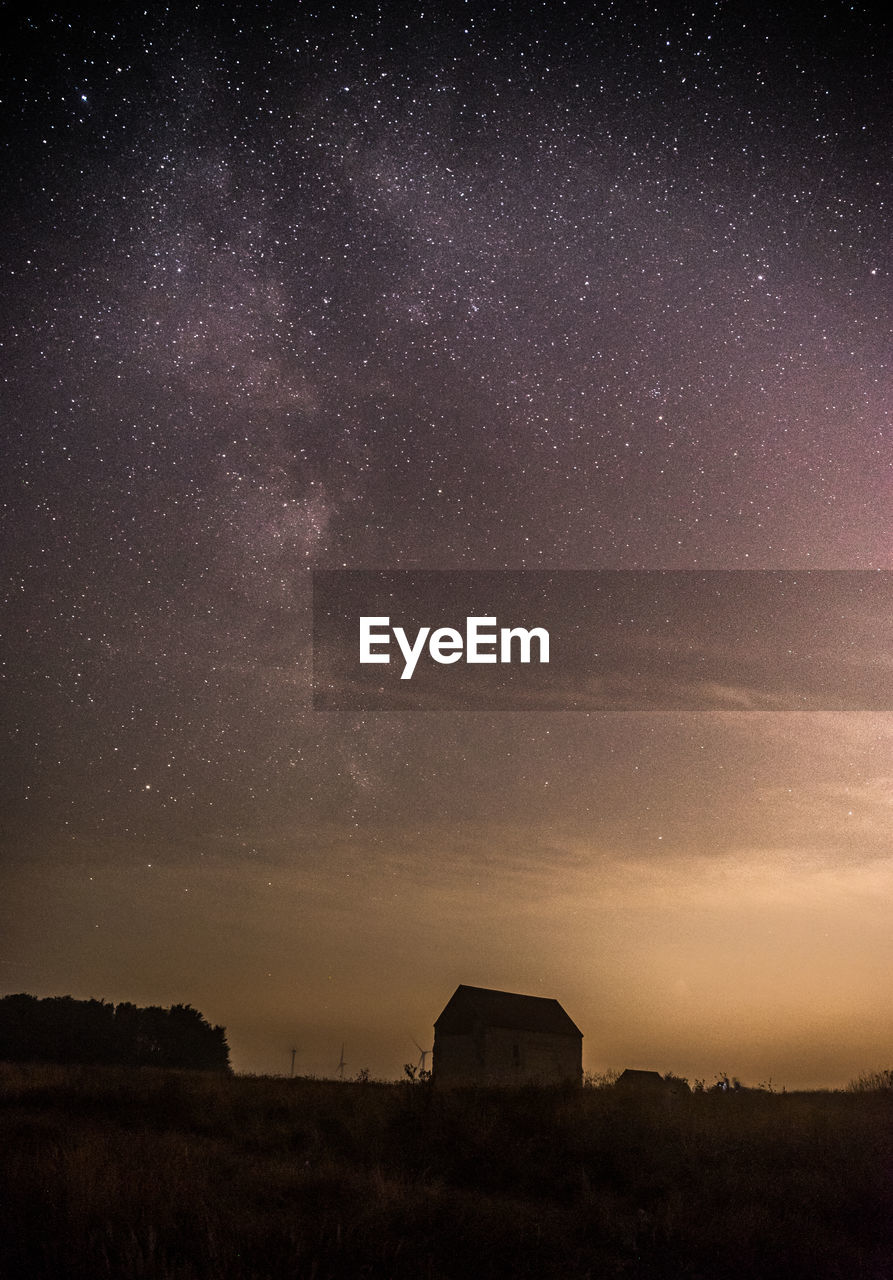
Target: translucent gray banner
x,y
606,640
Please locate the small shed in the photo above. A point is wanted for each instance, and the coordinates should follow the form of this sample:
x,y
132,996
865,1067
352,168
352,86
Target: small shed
x,y
486,1037
650,1083
633,1081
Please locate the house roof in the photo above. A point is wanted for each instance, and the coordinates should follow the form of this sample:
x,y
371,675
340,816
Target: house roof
x,y
634,1077
470,1008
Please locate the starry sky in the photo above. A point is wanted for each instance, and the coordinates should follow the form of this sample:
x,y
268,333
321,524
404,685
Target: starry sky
x,y
301,287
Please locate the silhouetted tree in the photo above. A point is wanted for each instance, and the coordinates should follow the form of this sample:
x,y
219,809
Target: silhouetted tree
x,y
61,1029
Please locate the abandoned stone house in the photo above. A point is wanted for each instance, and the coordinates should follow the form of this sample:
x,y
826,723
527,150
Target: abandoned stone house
x,y
499,1038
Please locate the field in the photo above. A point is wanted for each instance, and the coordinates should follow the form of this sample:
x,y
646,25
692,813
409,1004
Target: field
x,y
158,1175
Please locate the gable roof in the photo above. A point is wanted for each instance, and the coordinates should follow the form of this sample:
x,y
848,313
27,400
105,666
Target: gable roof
x,y
470,1008
632,1076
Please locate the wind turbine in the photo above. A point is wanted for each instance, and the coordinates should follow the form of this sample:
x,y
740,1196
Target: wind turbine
x,y
423,1054
341,1065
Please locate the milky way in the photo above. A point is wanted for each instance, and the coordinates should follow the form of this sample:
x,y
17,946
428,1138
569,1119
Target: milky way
x,y
480,288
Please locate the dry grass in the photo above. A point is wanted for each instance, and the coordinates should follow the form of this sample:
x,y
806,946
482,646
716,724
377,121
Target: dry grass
x,y
144,1175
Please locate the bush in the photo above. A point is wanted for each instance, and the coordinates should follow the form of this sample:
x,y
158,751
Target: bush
x,y
872,1082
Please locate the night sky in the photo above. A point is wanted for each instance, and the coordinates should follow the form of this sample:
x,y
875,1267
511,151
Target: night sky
x,y
314,287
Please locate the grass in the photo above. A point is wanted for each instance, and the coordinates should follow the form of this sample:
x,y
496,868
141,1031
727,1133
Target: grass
x,y
150,1175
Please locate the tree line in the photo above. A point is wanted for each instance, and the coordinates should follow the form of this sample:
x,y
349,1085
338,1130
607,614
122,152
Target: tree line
x,y
64,1030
